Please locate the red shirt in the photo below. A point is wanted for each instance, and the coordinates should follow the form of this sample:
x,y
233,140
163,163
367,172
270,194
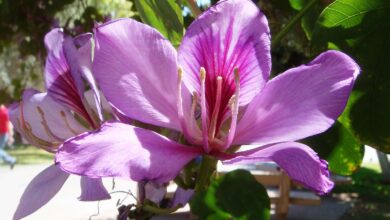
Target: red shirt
x,y
3,120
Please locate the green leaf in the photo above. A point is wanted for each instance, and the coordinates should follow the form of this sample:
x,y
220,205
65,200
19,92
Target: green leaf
x,y
309,20
166,16
236,195
339,147
361,28
298,4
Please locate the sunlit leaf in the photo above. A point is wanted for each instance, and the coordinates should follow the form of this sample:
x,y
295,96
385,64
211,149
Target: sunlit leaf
x,y
166,16
339,147
361,29
309,20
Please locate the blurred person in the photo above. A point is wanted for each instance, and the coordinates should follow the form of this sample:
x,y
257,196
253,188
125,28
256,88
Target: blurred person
x,y
6,136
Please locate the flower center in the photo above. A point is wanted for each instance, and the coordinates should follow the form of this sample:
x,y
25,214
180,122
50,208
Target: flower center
x,y
217,97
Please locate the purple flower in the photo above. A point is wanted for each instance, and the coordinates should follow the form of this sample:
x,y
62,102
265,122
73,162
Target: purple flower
x,y
47,119
215,91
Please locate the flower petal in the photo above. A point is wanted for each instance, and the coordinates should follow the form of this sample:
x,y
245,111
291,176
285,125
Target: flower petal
x,y
64,85
301,102
92,189
40,191
136,69
78,52
121,150
231,34
42,121
299,161
182,197
155,192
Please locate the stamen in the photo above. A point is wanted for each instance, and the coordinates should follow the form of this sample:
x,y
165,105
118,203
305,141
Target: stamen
x,y
203,109
183,124
63,115
214,117
233,103
46,127
193,125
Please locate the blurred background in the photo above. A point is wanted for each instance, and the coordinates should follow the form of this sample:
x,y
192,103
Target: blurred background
x,y
300,29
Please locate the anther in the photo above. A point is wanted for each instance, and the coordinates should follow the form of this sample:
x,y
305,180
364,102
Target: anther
x,y
179,74
203,108
202,73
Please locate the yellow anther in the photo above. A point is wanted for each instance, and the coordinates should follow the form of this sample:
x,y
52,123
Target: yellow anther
x,y
202,73
179,74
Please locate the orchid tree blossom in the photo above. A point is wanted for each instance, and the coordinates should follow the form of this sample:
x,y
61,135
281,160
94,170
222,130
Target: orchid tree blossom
x,y
216,91
47,119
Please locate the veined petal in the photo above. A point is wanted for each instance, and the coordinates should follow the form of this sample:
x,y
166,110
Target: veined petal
x,y
63,83
232,34
301,102
121,150
299,161
92,189
42,121
136,69
40,191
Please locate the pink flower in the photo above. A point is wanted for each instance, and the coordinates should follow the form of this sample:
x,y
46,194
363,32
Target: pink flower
x,y
47,119
215,91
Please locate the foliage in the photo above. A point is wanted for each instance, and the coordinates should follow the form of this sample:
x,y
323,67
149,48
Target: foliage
x,y
26,154
347,153
23,25
227,199
360,28
165,16
367,183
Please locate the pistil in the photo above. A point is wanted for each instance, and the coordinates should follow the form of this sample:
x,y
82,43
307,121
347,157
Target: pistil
x,y
214,116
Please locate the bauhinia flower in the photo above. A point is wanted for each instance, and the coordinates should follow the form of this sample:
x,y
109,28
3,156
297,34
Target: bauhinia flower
x,y
215,91
47,119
